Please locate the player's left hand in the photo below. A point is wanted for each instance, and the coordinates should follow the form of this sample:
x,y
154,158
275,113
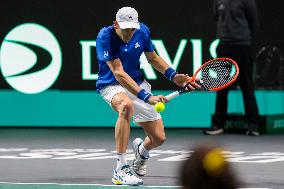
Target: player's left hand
x,y
155,99
183,79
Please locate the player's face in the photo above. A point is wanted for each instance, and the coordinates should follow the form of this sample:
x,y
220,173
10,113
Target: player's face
x,y
126,34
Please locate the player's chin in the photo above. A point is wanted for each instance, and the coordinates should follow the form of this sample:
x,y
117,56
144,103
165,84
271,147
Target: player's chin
x,y
129,38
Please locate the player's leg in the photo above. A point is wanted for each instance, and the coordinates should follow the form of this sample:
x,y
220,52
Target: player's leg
x,y
145,114
122,104
124,107
155,136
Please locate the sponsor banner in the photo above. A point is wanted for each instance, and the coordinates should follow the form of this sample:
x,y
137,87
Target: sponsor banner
x,y
48,45
30,58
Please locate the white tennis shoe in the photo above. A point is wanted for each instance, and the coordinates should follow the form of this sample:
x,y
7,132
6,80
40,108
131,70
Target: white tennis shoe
x,y
124,176
139,162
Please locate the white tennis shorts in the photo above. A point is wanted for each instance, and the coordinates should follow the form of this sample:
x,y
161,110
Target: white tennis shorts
x,y
143,112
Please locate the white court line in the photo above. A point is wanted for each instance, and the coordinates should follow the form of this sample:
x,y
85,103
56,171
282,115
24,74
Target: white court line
x,y
14,183
60,184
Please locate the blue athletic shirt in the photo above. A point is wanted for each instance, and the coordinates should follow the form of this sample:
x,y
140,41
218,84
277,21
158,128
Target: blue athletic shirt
x,y
109,47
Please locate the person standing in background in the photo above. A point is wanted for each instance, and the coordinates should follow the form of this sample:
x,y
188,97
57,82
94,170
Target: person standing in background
x,y
237,22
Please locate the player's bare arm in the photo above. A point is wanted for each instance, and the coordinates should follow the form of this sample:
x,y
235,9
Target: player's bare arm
x,y
126,81
159,64
122,77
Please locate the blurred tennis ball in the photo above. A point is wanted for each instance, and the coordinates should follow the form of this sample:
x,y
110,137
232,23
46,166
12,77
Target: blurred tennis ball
x,y
214,162
159,107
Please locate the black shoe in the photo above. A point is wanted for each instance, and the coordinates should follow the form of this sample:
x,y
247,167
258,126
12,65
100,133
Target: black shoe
x,y
214,130
252,130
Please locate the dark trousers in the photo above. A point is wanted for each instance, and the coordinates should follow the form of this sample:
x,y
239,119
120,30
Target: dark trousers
x,y
242,55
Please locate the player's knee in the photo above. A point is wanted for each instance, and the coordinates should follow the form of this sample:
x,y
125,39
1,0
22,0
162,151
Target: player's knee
x,y
126,109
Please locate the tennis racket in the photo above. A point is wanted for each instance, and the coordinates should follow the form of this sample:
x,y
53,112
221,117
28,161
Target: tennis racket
x,y
213,75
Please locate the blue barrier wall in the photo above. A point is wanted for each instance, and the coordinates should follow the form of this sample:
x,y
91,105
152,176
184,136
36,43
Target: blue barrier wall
x,y
86,108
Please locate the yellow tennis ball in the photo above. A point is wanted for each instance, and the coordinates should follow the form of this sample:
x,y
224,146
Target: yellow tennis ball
x,y
214,162
159,107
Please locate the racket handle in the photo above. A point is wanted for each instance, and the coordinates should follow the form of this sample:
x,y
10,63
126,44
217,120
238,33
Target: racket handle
x,y
172,95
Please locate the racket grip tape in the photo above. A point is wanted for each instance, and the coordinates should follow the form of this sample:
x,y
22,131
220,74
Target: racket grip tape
x,y
172,95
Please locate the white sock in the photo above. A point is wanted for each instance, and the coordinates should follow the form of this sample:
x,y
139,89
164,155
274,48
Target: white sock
x,y
121,160
143,151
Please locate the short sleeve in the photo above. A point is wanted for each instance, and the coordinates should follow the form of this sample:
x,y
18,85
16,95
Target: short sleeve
x,y
149,47
103,49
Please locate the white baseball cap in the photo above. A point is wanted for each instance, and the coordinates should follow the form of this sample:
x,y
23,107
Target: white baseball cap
x,y
127,17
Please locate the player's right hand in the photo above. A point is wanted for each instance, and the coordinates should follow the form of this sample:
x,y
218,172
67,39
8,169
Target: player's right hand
x,y
155,99
183,80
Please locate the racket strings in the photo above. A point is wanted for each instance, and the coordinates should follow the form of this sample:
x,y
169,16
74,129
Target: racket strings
x,y
217,74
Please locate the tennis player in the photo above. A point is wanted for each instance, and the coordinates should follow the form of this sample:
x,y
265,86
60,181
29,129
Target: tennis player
x,y
122,86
